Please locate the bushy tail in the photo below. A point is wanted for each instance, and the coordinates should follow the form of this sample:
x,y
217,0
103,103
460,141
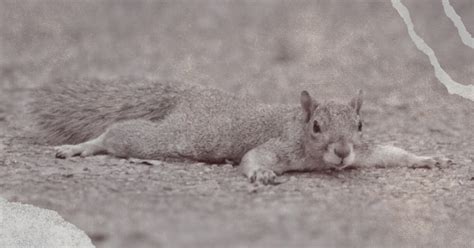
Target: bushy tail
x,y
74,112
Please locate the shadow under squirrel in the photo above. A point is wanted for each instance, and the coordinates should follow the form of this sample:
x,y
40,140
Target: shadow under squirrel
x,y
178,121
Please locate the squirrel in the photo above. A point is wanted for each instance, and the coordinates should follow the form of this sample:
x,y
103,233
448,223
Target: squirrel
x,y
168,120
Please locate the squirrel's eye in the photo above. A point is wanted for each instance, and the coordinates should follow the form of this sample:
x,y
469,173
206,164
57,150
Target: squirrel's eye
x,y
360,126
316,127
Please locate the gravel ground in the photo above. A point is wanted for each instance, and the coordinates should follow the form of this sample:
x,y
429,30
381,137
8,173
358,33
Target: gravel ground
x,y
270,50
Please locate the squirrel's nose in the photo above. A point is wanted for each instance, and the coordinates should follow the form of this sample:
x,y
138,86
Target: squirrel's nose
x,y
342,151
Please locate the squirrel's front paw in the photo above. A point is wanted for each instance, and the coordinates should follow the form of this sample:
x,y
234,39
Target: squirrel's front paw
x,y
263,176
430,162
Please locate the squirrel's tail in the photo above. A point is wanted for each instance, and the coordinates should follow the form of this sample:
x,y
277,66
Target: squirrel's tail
x,y
74,112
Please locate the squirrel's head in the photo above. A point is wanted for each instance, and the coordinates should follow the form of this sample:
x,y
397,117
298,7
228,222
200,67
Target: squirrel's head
x,y
332,130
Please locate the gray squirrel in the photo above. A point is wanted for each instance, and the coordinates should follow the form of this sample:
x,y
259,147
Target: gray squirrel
x,y
167,120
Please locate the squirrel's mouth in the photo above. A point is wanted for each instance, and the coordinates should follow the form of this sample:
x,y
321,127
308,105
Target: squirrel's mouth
x,y
331,159
341,166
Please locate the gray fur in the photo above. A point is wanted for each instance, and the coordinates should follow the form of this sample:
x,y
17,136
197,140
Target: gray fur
x,y
207,123
76,111
178,121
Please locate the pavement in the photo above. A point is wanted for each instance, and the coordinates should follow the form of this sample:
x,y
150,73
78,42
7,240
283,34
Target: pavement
x,y
270,50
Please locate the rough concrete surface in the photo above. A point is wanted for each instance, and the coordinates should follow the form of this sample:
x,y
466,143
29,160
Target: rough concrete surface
x,y
270,50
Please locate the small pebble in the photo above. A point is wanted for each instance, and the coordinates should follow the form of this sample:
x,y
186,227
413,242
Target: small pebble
x,y
340,176
228,166
252,189
69,175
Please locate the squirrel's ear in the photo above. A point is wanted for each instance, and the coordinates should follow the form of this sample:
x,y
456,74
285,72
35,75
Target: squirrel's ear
x,y
307,104
356,102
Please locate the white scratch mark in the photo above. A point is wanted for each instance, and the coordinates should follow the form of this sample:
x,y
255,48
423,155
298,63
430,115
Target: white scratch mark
x,y
453,87
466,37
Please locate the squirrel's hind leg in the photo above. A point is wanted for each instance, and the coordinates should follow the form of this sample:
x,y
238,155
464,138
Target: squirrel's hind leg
x,y
127,139
88,148
145,139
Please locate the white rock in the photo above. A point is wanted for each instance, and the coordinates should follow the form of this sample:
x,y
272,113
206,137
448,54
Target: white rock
x,y
23,225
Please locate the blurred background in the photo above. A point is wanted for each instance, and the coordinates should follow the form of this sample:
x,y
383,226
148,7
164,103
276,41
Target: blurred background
x,y
268,49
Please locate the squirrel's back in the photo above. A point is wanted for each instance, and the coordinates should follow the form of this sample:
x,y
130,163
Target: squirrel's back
x,y
215,123
73,112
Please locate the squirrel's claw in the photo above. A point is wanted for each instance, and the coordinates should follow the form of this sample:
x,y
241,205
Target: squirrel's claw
x,y
66,151
263,176
431,162
443,162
